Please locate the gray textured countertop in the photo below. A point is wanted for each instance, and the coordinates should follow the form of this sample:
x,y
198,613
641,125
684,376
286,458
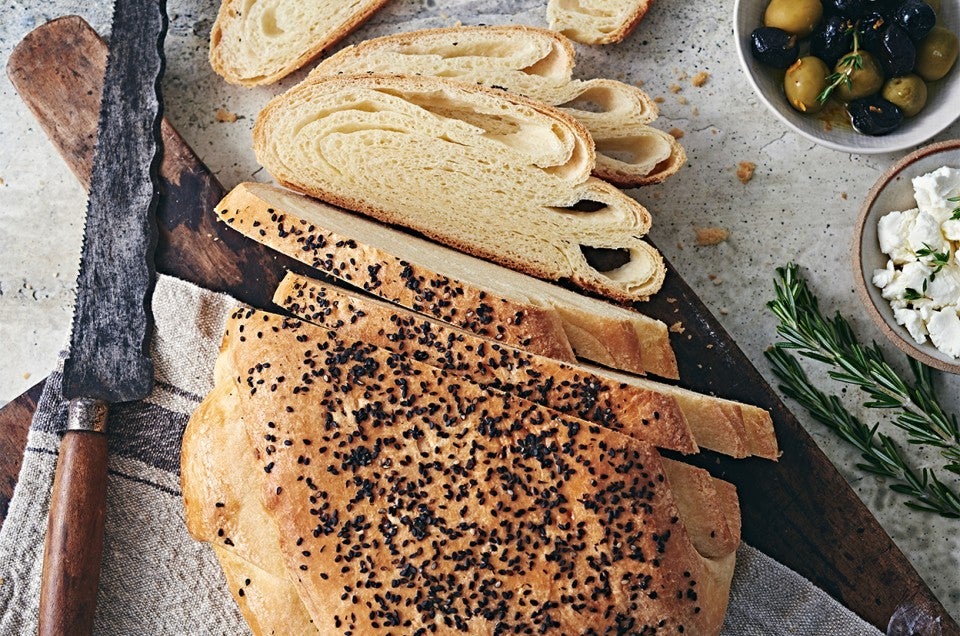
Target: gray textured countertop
x,y
800,205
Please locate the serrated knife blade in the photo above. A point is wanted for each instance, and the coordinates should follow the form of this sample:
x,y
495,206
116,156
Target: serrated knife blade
x,y
108,360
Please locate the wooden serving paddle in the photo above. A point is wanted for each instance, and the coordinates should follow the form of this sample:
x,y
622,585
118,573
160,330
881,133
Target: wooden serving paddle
x,y
799,510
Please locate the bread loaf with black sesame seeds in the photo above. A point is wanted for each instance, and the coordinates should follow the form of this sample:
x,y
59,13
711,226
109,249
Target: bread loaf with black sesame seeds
x,y
465,291
408,500
484,171
221,484
538,64
256,42
651,412
596,21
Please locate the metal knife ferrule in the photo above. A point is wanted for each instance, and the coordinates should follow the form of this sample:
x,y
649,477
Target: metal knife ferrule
x,y
87,414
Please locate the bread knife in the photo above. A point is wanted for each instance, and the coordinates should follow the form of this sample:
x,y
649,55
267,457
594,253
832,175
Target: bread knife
x,y
108,360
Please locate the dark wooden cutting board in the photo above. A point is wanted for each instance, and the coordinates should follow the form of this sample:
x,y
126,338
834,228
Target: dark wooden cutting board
x,y
799,510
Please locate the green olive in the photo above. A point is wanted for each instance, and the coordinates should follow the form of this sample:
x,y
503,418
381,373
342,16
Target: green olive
x,y
865,79
804,81
936,54
908,92
799,17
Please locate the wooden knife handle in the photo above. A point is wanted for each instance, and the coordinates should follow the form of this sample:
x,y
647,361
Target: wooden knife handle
x,y
74,544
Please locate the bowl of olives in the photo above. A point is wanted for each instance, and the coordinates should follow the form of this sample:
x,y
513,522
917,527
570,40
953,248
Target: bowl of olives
x,y
861,76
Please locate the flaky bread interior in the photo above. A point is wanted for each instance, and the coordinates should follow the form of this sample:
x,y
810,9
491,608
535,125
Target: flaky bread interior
x,y
257,42
538,64
596,21
448,285
486,172
654,413
648,416
384,475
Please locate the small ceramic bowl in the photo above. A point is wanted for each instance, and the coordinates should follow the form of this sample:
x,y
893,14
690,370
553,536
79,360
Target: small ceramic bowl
x,y
894,191
941,109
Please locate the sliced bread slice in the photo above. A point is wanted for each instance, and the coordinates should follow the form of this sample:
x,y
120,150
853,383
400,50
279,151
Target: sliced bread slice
x,y
448,285
663,415
486,172
257,42
536,63
596,21
566,388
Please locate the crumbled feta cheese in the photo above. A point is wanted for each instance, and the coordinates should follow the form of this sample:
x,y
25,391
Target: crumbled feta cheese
x,y
926,234
883,277
951,229
912,277
944,329
922,277
944,287
933,189
913,322
893,230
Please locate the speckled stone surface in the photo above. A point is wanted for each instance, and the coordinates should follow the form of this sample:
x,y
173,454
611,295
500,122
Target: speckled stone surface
x,y
800,205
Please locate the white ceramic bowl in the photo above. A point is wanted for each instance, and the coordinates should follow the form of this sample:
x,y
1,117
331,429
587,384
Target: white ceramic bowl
x,y
894,191
943,102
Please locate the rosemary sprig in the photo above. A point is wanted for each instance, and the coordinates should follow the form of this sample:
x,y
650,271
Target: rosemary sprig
x,y
849,63
956,211
937,259
833,342
879,452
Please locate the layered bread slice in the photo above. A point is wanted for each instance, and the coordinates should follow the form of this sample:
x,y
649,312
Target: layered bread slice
x,y
536,63
465,291
259,41
650,412
486,172
596,21
388,479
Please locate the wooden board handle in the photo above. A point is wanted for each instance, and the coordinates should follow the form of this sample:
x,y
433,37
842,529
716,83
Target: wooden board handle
x,y
74,544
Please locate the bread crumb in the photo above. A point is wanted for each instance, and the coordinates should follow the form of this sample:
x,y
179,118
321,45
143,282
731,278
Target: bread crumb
x,y
724,311
696,111
710,346
843,195
707,236
675,88
745,171
224,116
682,76
680,245
2,182
659,99
671,299
700,79
682,100
640,83
26,376
676,133
677,327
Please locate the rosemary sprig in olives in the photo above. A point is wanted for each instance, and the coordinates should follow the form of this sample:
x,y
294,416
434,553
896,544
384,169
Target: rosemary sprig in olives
x,y
849,63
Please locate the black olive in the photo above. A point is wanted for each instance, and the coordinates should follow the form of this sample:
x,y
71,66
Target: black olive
x,y
874,115
917,18
897,52
833,38
847,8
774,47
885,8
870,30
